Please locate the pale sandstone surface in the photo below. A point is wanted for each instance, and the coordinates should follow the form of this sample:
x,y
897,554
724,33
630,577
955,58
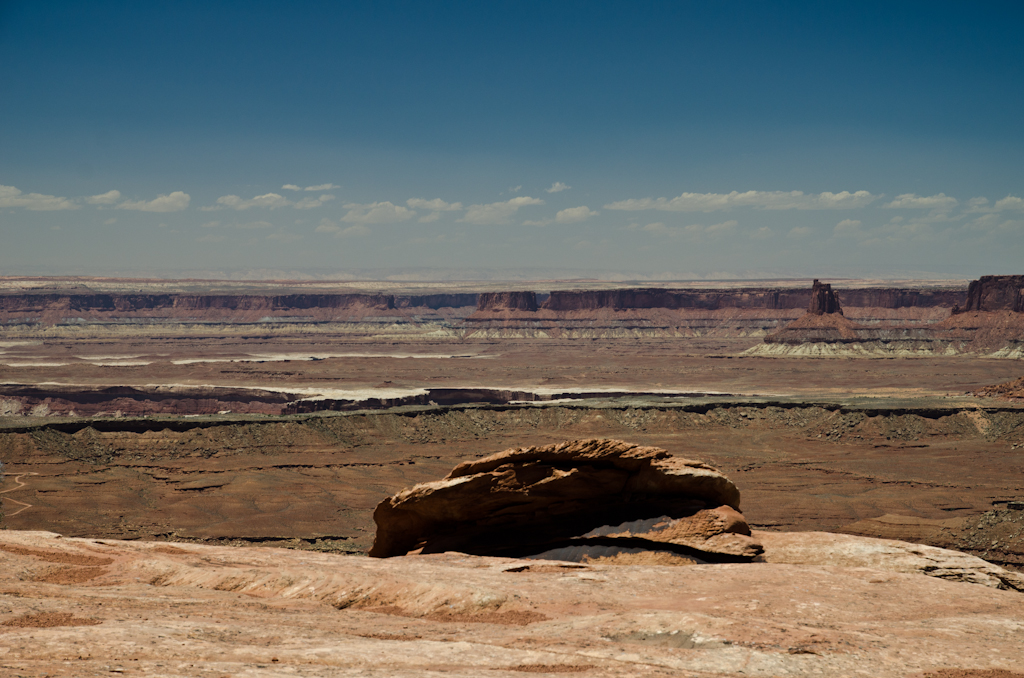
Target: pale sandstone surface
x,y
826,548
996,535
192,610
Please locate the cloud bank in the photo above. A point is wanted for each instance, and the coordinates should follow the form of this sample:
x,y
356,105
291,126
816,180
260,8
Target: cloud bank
x,y
769,200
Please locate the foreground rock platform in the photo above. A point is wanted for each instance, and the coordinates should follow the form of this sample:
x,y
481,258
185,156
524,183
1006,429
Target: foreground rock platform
x,y
86,607
576,500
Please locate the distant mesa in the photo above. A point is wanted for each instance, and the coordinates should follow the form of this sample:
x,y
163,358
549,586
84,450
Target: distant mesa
x,y
823,299
823,322
581,500
988,320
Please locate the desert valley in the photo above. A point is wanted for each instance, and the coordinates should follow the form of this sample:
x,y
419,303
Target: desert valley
x,y
192,468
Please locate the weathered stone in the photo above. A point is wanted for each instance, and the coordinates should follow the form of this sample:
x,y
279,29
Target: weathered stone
x,y
542,500
841,550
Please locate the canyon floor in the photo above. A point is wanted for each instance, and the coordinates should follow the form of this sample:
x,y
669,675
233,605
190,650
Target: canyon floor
x,y
814,444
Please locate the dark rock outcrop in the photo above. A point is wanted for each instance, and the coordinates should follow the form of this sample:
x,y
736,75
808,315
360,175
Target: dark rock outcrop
x,y
571,501
823,299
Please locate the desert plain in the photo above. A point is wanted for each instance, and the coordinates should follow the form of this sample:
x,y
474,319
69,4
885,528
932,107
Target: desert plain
x,y
191,470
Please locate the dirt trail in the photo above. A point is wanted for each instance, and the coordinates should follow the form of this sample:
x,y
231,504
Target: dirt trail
x,y
21,485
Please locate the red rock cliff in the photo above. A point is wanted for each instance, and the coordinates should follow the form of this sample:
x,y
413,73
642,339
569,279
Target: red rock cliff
x,y
995,293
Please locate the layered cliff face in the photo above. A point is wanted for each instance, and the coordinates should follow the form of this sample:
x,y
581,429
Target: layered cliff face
x,y
995,293
52,306
632,299
507,301
740,313
56,307
561,301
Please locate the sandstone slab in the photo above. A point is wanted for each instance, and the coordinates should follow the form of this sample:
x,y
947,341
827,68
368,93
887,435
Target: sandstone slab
x,y
890,555
160,609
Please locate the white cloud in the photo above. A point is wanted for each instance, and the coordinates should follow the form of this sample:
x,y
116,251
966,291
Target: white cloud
x,y
435,205
321,187
995,223
327,226
574,215
931,202
762,233
256,224
723,228
356,230
271,200
110,222
497,212
310,203
430,218
211,224
377,213
1010,202
291,187
12,197
108,198
558,187
848,228
799,232
515,189
174,202
769,200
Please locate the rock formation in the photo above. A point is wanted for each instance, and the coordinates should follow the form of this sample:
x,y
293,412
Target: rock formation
x,y
507,301
577,500
823,300
995,293
1009,390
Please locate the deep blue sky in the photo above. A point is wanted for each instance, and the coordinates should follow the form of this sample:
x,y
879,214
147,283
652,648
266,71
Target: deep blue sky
x,y
918,106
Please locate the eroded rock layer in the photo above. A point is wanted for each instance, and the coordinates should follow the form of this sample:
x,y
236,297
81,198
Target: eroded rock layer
x,y
570,501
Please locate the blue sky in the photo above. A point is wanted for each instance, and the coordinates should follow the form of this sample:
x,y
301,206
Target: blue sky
x,y
640,140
